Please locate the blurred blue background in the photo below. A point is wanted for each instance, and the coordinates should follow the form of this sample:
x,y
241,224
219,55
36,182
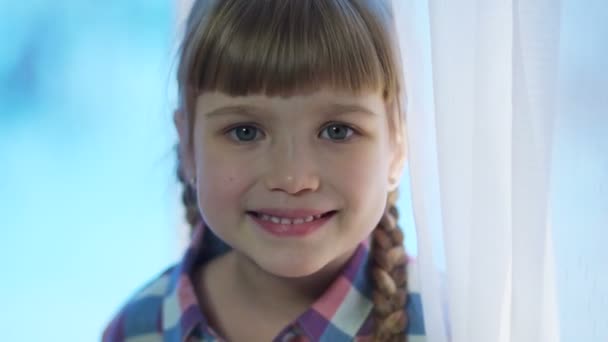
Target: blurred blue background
x,y
88,202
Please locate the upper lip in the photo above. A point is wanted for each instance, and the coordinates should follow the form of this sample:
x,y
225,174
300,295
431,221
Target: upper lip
x,y
291,213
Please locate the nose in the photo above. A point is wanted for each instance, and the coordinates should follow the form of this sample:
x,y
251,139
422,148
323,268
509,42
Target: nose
x,y
292,169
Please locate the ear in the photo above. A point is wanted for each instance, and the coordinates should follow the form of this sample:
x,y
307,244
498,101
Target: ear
x,y
398,156
398,159
185,149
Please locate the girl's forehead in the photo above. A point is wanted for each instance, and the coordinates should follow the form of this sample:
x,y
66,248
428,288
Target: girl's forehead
x,y
368,102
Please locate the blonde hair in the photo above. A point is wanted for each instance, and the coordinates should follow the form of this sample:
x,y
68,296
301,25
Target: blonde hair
x,y
242,47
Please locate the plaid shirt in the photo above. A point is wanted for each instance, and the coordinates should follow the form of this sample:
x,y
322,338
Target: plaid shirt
x,y
166,309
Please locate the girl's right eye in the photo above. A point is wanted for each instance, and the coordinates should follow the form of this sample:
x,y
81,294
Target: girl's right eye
x,y
243,133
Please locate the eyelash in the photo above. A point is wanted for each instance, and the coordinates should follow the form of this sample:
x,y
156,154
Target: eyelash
x,y
230,131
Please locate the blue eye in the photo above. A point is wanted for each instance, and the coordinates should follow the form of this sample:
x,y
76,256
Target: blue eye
x,y
338,131
244,133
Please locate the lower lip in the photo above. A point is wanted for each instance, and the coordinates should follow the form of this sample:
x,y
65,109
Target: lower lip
x,y
292,230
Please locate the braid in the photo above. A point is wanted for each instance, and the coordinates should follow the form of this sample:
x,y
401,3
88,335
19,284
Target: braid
x,y
193,216
389,276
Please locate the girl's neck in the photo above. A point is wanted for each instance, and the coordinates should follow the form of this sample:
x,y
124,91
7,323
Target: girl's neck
x,y
244,302
269,291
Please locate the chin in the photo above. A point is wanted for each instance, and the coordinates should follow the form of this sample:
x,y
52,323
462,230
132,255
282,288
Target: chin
x,y
294,268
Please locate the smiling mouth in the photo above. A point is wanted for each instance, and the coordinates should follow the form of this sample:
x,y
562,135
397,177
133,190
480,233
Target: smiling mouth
x,y
284,220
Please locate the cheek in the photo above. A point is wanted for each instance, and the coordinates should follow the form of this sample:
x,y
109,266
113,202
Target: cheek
x,y
221,184
363,185
361,170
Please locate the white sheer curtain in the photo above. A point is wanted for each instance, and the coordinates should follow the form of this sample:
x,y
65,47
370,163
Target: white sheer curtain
x,y
488,169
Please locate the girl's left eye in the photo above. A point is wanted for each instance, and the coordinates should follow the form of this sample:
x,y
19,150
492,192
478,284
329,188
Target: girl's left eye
x,y
338,132
244,133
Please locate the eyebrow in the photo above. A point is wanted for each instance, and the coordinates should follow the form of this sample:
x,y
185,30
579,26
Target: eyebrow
x,y
337,109
330,110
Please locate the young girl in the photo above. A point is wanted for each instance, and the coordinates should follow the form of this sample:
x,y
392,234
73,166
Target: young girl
x,y
292,144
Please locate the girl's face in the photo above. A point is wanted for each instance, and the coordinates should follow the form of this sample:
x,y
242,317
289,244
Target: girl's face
x,y
322,151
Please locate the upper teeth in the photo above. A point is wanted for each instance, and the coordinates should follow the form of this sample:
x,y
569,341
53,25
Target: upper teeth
x,y
283,220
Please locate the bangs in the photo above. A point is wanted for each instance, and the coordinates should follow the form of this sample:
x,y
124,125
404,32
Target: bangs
x,y
279,47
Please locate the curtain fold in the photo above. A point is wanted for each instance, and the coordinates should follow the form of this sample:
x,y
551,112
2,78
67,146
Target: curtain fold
x,y
480,142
